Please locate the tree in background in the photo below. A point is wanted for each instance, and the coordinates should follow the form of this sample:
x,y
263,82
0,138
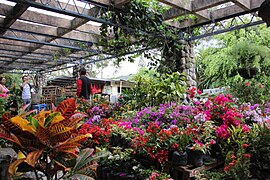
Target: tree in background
x,y
217,66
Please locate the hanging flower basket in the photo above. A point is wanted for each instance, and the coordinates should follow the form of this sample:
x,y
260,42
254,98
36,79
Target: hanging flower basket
x,y
247,73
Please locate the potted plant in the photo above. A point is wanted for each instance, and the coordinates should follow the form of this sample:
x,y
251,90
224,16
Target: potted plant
x,y
203,137
47,140
249,58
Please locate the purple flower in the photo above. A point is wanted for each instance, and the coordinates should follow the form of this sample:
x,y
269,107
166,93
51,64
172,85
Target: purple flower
x,y
123,174
254,106
174,122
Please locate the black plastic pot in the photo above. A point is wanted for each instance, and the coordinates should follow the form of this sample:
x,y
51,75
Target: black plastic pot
x,y
195,157
247,73
114,140
179,158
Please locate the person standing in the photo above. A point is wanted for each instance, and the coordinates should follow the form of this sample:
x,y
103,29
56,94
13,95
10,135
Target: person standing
x,y
3,89
83,85
26,92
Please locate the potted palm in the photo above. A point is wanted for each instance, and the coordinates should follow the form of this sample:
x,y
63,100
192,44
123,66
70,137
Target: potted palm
x,y
249,58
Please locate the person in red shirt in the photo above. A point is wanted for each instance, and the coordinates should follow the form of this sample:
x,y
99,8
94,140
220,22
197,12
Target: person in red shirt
x,y
83,85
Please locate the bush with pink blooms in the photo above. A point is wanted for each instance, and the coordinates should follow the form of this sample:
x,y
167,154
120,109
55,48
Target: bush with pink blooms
x,y
238,132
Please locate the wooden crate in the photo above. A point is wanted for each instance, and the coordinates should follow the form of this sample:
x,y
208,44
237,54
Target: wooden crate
x,y
70,91
188,171
51,91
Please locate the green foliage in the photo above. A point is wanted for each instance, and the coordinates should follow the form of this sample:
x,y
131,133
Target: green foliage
x,y
144,29
153,89
249,54
12,80
118,158
261,150
151,174
12,103
210,175
236,150
85,166
255,90
217,65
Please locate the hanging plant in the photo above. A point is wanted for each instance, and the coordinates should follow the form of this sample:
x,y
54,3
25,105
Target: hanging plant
x,y
249,58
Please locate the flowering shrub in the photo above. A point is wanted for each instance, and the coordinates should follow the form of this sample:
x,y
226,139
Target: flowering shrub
x,y
100,133
157,142
254,90
82,104
150,174
256,113
202,122
157,176
104,110
203,136
167,115
237,157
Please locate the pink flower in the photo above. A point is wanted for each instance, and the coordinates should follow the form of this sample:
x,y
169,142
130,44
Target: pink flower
x,y
199,143
213,142
222,131
231,164
247,156
245,128
244,145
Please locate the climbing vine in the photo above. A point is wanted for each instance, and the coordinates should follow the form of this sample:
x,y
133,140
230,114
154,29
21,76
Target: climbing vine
x,y
141,27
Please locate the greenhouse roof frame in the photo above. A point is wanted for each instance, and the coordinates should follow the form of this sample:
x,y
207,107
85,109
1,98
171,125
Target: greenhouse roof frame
x,y
55,33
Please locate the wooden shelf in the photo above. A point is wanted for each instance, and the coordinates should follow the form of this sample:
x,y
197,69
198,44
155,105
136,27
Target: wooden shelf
x,y
189,171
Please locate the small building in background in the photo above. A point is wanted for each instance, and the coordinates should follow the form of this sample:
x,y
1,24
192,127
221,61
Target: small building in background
x,y
66,87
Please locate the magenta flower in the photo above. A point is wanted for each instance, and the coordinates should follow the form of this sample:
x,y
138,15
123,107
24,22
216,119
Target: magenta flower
x,y
245,128
222,131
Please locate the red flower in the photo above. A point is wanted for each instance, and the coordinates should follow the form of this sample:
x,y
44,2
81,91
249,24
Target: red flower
x,y
231,164
247,156
233,156
175,146
213,142
244,145
226,168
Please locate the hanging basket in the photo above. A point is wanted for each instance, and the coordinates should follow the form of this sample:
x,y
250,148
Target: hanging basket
x,y
247,73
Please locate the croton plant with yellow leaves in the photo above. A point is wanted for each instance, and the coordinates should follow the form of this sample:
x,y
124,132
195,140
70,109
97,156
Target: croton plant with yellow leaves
x,y
48,140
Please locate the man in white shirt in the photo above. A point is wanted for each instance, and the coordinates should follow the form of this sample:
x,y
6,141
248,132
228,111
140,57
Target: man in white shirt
x,y
26,92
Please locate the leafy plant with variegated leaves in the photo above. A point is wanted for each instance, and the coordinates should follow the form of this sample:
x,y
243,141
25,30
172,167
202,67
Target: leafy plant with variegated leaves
x,y
47,140
86,164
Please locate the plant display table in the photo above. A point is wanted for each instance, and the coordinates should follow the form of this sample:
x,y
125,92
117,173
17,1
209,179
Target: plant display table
x,y
188,171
